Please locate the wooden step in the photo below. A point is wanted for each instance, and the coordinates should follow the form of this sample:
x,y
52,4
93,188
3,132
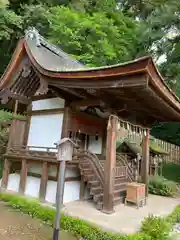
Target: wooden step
x,y
116,201
93,183
90,177
117,193
84,165
96,190
87,171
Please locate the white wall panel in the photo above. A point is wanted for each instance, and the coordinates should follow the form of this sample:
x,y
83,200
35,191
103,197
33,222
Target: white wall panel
x,y
32,186
50,103
45,130
95,145
71,189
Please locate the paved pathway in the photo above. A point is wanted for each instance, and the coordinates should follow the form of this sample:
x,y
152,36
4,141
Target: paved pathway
x,y
126,219
17,226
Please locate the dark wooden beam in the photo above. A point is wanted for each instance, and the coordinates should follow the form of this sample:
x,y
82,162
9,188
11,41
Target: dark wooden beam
x,y
74,92
87,103
46,111
117,82
21,98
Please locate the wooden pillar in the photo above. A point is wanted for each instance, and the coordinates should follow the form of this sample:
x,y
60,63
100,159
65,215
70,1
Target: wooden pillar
x,y
44,180
15,107
6,170
109,167
145,159
23,176
82,189
26,134
66,122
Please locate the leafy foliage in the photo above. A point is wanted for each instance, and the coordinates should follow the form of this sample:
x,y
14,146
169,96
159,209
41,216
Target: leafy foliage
x,y
169,132
100,33
93,39
10,24
171,172
156,227
160,186
4,132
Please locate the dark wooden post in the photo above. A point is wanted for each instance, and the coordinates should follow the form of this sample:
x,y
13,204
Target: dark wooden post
x,y
23,176
26,134
44,180
145,159
15,107
82,189
6,170
109,168
66,122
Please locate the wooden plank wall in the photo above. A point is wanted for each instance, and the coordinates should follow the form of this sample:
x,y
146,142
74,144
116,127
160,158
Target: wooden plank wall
x,y
174,150
17,132
18,126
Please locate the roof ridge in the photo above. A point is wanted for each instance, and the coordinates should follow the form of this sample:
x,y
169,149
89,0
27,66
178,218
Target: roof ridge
x,y
32,32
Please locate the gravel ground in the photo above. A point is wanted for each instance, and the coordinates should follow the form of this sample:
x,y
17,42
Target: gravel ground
x,y
17,226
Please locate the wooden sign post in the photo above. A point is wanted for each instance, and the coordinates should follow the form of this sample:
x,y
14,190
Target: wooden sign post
x,y
65,151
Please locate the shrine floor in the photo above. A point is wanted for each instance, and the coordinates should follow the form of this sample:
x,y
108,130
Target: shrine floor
x,y
125,219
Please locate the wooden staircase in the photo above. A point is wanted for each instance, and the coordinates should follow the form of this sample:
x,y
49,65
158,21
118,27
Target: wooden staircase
x,y
92,171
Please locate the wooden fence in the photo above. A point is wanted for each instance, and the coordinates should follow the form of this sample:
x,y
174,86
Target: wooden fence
x,y
172,149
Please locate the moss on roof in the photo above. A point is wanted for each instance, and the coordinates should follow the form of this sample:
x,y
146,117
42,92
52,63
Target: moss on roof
x,y
134,147
137,149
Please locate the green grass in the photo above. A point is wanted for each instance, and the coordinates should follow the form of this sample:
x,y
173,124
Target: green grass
x,y
153,228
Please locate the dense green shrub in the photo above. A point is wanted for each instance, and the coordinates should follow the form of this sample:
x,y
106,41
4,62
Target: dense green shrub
x,y
153,228
171,171
156,227
174,217
161,186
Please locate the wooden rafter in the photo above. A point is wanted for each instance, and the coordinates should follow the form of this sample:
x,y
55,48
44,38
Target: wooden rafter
x,y
87,103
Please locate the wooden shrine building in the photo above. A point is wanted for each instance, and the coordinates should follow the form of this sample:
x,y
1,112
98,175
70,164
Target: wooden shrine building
x,y
64,98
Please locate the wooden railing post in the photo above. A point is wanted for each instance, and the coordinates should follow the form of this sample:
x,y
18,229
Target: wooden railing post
x,y
23,176
110,164
145,159
6,170
44,180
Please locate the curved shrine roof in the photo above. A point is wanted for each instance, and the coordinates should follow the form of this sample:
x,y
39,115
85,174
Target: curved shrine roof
x,y
135,87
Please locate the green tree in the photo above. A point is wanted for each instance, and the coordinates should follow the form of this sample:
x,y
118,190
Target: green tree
x,y
10,25
94,39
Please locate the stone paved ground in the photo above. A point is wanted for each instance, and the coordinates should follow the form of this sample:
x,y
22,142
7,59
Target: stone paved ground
x,y
126,219
17,226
